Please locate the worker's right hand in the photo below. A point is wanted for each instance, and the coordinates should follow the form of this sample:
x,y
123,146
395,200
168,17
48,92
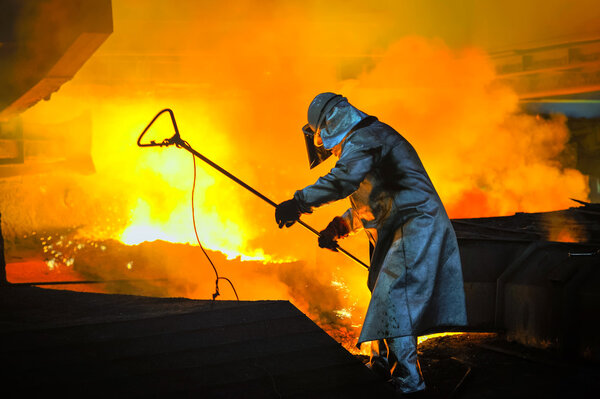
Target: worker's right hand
x,y
326,241
337,228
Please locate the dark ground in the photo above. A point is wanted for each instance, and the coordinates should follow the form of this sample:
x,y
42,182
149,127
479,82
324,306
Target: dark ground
x,y
473,365
484,365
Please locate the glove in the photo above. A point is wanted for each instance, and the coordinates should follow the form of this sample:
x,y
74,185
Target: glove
x,y
287,213
336,229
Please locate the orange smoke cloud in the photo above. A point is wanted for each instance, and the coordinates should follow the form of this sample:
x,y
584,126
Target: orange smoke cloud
x,y
484,156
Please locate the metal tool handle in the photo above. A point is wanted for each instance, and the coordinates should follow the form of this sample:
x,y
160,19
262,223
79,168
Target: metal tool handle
x,y
176,140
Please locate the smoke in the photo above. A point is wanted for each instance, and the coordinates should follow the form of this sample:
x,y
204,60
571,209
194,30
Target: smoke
x,y
484,156
239,78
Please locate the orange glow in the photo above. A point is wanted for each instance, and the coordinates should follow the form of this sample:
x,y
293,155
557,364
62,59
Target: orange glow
x,y
424,338
563,229
48,270
564,236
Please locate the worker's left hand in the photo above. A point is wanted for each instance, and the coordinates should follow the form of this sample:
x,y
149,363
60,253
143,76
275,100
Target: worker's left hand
x,y
287,213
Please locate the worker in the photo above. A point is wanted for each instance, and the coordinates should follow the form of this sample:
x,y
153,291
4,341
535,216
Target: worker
x,y
415,274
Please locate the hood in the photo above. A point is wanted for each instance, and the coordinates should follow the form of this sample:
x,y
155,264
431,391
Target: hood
x,y
339,122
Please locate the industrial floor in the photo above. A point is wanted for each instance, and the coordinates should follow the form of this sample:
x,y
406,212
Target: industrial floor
x,y
484,365
98,345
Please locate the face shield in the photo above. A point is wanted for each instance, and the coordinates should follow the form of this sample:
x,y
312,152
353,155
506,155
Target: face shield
x,y
314,147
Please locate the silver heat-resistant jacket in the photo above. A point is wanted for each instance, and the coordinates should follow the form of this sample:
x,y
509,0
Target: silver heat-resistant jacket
x,y
415,275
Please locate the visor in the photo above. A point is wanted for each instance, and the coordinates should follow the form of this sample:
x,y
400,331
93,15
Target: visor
x,y
316,155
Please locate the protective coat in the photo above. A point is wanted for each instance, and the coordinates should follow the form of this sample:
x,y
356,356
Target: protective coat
x,y
415,275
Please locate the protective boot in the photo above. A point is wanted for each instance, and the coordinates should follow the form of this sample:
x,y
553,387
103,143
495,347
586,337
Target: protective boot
x,y
406,371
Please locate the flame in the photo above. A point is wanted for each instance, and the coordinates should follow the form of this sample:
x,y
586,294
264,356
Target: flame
x,y
227,237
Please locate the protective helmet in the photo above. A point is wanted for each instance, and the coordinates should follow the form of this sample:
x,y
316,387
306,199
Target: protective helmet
x,y
330,118
320,106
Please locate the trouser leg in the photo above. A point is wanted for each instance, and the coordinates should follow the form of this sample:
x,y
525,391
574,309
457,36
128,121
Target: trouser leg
x,y
379,359
405,368
379,349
